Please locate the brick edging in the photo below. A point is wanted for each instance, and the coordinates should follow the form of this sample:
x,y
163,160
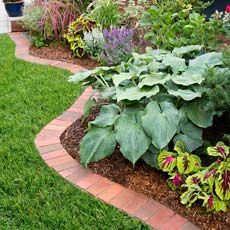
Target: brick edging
x,y
48,144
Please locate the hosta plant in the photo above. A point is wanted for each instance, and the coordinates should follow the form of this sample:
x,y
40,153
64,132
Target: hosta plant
x,y
212,184
75,34
154,99
178,164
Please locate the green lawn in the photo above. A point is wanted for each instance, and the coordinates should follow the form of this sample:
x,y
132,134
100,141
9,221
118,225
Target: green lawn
x,y
32,196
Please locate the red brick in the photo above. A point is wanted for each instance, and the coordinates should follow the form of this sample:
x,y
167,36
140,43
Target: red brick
x,y
100,186
49,148
69,116
79,175
89,181
174,223
65,165
78,110
79,104
61,123
43,141
69,171
111,192
160,217
124,198
132,207
55,127
59,160
48,133
148,210
54,154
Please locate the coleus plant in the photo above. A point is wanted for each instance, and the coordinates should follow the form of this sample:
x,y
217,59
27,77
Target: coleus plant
x,y
211,184
75,34
178,164
154,99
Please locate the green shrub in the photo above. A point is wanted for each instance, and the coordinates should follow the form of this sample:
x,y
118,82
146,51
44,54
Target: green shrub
x,y
216,86
168,30
105,13
154,99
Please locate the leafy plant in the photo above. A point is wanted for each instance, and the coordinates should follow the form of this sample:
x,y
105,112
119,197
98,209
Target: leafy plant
x,y
105,13
38,41
168,30
178,5
94,43
212,184
75,34
117,45
155,99
178,164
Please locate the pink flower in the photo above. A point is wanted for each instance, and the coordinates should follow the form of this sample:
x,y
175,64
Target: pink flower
x,y
177,180
227,9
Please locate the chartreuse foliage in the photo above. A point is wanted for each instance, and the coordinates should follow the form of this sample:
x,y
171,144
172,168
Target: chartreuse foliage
x,y
154,98
211,185
75,34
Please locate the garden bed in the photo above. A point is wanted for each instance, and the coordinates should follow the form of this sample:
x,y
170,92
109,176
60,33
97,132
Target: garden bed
x,y
141,178
60,52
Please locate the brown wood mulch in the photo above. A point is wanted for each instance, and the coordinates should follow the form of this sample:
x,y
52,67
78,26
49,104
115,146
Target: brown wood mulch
x,y
61,52
141,178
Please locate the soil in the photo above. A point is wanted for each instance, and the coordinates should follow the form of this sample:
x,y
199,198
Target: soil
x,y
141,178
61,52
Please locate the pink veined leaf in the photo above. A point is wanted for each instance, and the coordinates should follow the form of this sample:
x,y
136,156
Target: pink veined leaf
x,y
177,180
210,202
221,150
195,179
168,160
210,173
226,181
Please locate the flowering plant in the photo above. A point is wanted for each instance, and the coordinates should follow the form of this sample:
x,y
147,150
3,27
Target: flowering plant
x,y
227,9
118,45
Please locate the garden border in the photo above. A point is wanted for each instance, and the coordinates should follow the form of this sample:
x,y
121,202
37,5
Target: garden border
x,y
56,157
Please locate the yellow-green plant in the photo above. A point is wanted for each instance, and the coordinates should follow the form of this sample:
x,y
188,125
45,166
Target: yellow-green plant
x,y
75,34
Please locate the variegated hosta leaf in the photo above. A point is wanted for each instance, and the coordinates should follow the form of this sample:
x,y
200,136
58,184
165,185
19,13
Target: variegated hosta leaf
x,y
160,122
97,144
198,115
134,93
167,161
179,52
185,163
177,64
131,137
222,182
220,150
154,79
108,115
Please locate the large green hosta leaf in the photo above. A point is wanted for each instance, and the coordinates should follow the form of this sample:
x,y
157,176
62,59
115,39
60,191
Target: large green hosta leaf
x,y
119,78
160,122
150,157
81,76
198,115
185,94
177,64
210,60
154,79
134,93
187,78
131,137
108,115
185,49
97,144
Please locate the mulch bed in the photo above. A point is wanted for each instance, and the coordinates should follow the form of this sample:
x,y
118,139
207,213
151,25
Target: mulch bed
x,y
61,52
141,178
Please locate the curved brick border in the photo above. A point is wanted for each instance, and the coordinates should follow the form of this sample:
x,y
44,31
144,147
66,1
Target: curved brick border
x,y
48,143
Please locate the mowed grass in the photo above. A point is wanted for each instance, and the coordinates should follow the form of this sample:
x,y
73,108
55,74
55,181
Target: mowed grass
x,y
32,196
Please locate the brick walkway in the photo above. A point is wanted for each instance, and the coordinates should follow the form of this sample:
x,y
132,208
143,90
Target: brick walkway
x,y
48,143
